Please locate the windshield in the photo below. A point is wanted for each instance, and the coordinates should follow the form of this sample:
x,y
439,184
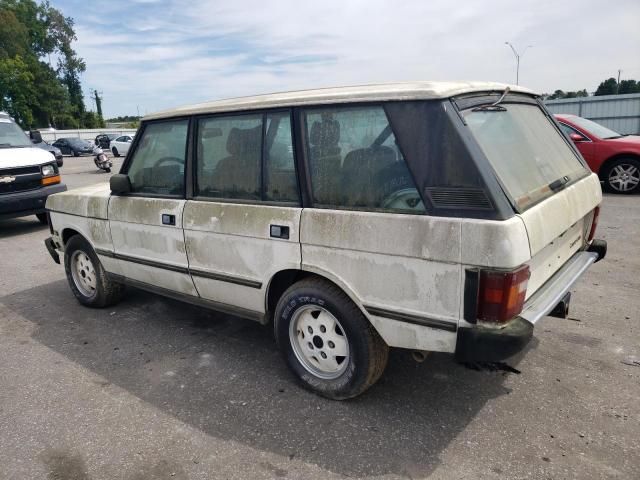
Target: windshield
x,y
529,155
11,135
594,128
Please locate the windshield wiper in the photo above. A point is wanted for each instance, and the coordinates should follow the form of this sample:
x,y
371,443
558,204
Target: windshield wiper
x,y
495,106
559,184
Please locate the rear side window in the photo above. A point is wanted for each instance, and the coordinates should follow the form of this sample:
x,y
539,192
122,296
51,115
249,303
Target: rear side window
x,y
246,157
157,165
355,162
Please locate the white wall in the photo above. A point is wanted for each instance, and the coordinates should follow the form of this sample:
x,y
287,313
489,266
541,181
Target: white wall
x,y
88,134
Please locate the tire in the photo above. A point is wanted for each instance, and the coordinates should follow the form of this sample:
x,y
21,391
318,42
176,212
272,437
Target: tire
x,y
76,154
115,152
42,217
622,176
105,292
108,170
312,303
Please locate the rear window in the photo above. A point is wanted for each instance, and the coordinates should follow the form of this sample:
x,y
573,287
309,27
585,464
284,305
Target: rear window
x,y
530,157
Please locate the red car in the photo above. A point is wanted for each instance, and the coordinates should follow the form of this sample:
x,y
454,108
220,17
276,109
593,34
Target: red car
x,y
614,157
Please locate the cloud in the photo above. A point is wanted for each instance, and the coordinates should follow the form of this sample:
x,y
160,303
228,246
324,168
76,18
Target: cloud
x,y
160,54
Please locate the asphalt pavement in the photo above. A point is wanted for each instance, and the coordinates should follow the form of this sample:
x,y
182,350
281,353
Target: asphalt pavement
x,y
153,388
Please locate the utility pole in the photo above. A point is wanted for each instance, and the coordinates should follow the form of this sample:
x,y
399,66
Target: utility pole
x,y
98,100
518,57
618,84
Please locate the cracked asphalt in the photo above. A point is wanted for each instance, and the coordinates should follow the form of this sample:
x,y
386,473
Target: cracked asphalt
x,y
153,388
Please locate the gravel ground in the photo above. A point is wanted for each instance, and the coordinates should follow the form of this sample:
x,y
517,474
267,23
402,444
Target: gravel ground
x,y
154,388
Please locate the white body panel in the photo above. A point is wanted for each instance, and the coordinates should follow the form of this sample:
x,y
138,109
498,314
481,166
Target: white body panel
x,y
233,242
137,232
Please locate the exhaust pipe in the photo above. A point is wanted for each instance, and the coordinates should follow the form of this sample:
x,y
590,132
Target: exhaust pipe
x,y
419,355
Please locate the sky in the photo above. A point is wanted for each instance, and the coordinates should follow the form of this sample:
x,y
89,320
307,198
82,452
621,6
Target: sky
x,y
148,55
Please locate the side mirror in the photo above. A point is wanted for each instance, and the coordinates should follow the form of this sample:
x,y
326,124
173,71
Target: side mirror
x,y
120,184
36,136
576,137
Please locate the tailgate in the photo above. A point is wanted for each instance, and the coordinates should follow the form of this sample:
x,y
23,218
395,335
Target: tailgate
x,y
558,227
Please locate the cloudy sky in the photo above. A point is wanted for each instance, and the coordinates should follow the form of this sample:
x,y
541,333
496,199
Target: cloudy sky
x,y
148,55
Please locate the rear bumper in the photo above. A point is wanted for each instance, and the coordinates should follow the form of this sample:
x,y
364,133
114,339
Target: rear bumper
x,y
30,202
491,344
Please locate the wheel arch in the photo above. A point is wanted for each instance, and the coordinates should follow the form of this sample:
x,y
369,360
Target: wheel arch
x,y
618,156
283,279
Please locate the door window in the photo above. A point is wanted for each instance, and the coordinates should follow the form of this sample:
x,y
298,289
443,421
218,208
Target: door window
x,y
231,153
157,166
281,184
355,161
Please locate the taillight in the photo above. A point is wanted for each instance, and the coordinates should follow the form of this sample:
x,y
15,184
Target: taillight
x,y
594,223
501,294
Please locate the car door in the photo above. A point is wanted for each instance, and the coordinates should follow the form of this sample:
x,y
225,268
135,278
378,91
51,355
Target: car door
x,y
146,224
125,144
242,226
63,146
582,142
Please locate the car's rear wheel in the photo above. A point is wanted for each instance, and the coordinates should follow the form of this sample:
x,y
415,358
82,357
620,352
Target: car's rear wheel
x,y
86,276
42,217
326,340
622,176
76,153
115,152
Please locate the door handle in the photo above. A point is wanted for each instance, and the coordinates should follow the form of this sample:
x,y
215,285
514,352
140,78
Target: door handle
x,y
168,219
279,231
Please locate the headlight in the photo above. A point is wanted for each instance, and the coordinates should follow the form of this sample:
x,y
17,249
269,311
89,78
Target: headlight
x,y
48,170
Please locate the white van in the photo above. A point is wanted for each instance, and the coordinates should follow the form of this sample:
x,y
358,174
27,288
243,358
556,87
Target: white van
x,y
28,174
445,217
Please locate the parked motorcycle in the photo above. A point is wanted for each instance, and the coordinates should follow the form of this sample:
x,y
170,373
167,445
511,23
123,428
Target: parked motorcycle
x,y
102,161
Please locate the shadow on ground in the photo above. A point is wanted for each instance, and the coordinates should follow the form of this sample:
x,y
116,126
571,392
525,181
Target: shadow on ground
x,y
224,376
20,226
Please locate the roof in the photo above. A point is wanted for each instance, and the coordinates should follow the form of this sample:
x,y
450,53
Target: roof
x,y
351,94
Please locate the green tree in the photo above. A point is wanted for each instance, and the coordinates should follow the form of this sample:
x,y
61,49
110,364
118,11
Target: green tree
x,y
607,87
629,86
29,33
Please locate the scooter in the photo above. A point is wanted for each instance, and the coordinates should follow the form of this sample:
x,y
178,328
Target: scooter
x,y
102,161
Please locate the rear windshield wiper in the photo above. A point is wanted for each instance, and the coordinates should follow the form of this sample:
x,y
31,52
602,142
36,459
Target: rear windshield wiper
x,y
559,184
495,106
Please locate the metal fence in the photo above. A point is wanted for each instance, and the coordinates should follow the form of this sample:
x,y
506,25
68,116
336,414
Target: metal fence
x,y
88,134
617,112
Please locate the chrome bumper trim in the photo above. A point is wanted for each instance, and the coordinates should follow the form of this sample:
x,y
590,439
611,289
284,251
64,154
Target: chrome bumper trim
x,y
550,294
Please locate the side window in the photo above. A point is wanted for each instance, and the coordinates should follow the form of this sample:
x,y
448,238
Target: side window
x,y
569,130
355,161
281,184
232,150
119,139
228,157
157,166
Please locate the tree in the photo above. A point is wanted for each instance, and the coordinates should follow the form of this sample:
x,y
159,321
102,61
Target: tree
x,y
629,86
31,89
608,87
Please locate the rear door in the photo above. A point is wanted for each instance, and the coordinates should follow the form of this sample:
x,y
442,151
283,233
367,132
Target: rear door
x,y
146,225
242,226
550,187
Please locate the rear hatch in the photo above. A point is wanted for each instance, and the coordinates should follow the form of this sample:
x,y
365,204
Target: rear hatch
x,y
549,184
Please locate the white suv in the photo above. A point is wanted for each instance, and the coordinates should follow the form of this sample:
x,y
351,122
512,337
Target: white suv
x,y
444,217
28,174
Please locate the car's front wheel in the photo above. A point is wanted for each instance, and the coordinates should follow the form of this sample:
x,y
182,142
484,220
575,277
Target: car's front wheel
x,y
86,276
76,153
622,176
326,340
42,217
